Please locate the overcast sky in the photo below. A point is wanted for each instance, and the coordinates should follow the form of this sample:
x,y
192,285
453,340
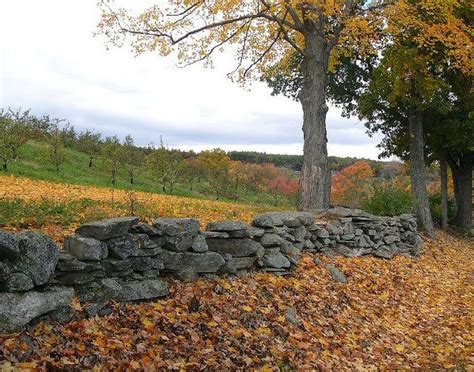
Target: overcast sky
x,y
51,62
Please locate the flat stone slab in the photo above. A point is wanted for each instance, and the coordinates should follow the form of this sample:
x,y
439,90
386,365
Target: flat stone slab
x,y
85,248
107,229
18,309
236,247
208,262
176,226
227,226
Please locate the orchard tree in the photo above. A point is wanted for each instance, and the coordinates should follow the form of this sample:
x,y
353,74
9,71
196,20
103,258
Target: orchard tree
x,y
56,142
111,151
131,157
89,143
14,133
166,166
265,33
216,164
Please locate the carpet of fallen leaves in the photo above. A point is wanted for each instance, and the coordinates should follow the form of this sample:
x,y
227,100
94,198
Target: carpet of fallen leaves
x,y
403,313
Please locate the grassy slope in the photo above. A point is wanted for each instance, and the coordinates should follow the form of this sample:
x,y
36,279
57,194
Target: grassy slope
x,y
33,163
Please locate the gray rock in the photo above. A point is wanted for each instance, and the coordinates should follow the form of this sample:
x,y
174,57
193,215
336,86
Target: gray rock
x,y
244,262
144,228
265,221
8,246
308,244
389,239
228,268
291,316
321,233
38,256
143,241
175,226
63,314
336,274
84,248
236,247
122,247
148,252
179,243
215,235
256,231
276,261
112,265
16,282
384,251
199,244
187,275
208,262
145,263
141,290
107,229
299,233
239,234
271,240
227,226
77,278
18,309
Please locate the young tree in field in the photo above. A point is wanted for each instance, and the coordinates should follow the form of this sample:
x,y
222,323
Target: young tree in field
x,y
352,185
55,139
265,33
89,143
193,171
131,158
216,165
14,133
166,166
111,151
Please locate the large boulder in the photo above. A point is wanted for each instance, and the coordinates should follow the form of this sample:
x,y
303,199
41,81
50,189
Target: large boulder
x,y
18,309
107,229
8,246
236,247
208,262
84,248
38,257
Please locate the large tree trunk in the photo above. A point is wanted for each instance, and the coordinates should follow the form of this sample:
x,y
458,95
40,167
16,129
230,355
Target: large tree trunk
x,y
418,173
462,179
443,171
314,182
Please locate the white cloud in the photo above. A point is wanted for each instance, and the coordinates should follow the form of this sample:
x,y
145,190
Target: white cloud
x,y
51,62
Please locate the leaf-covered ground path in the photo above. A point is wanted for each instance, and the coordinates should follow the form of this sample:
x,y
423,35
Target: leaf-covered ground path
x,y
393,314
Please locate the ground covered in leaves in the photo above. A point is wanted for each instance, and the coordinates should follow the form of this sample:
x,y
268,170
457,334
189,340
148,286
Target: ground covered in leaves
x,y
402,313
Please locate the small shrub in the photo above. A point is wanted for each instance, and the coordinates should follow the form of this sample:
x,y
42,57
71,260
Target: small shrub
x,y
388,201
435,204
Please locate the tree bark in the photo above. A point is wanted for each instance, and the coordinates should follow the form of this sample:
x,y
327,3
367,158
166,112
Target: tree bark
x,y
314,184
462,179
418,172
443,171
5,165
90,162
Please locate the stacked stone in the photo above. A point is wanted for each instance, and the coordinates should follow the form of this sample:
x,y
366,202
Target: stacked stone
x,y
186,252
27,260
117,259
235,242
354,233
283,235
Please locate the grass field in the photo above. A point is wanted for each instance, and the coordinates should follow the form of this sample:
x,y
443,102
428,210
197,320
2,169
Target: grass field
x,y
33,163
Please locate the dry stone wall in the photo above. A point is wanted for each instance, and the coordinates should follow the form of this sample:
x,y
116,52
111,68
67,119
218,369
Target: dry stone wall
x,y
125,259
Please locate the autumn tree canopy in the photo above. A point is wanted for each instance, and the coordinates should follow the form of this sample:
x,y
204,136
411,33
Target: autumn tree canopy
x,y
264,33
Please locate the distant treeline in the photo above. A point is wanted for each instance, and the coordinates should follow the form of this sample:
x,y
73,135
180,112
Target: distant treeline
x,y
295,162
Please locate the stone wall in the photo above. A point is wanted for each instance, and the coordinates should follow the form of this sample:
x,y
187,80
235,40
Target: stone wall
x,y
123,259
